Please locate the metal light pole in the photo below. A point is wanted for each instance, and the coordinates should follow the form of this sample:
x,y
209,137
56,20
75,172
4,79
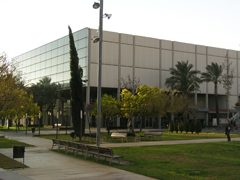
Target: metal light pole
x,y
80,137
39,124
99,74
26,123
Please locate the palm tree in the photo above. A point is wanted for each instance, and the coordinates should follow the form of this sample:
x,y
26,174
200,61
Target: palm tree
x,y
46,93
214,74
183,79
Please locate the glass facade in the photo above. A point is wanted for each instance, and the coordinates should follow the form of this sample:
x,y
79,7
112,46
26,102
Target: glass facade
x,y
53,60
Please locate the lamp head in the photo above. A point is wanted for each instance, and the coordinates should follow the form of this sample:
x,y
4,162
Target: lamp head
x,y
95,39
96,5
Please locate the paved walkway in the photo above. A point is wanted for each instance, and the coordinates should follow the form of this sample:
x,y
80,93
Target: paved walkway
x,y
49,165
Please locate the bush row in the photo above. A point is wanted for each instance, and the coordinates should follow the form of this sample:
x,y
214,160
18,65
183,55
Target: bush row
x,y
180,126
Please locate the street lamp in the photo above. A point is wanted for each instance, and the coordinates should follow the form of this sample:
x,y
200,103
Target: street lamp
x,y
39,123
95,40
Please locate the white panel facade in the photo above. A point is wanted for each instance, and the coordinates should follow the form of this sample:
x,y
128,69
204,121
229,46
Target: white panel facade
x,y
147,76
166,44
146,57
201,62
232,101
184,47
126,71
164,76
217,51
94,75
181,56
166,59
126,39
109,76
110,53
144,41
201,49
126,55
110,36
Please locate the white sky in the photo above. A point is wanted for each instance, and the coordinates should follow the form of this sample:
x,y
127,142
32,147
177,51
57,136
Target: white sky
x,y
28,24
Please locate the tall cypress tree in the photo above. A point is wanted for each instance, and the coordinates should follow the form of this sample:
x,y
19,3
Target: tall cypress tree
x,y
75,86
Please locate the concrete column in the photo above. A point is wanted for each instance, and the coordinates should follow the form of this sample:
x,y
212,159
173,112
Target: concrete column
x,y
160,64
172,116
119,74
206,96
159,122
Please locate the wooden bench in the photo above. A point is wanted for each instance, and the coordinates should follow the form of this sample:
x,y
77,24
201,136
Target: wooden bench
x,y
91,150
56,142
88,149
121,136
92,137
64,144
65,128
133,136
152,134
81,147
116,128
107,152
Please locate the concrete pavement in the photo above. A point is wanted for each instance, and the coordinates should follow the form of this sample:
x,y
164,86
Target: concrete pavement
x,y
49,165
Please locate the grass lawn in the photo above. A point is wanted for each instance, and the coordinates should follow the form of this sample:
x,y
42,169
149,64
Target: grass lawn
x,y
4,128
6,162
190,161
8,143
167,136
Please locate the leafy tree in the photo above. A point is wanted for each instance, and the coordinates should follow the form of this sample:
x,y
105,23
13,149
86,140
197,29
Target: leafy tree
x,y
180,126
75,86
183,78
186,126
129,105
151,101
227,79
198,127
110,108
171,126
176,126
46,93
213,74
192,127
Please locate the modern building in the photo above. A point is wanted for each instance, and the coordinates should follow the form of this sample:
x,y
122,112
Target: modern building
x,y
148,59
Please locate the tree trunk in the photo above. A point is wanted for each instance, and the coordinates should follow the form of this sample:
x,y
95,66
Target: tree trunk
x,y
52,118
216,101
141,124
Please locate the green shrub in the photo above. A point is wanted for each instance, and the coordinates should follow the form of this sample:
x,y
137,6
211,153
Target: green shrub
x,y
180,126
176,126
171,126
198,127
192,127
186,126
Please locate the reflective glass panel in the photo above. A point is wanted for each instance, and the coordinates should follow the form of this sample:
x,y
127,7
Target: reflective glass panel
x,y
43,64
66,66
54,61
48,71
60,51
60,42
54,53
43,73
49,63
54,69
66,75
66,49
66,58
59,77
38,66
60,59
49,55
49,47
60,68
54,44
37,58
43,49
